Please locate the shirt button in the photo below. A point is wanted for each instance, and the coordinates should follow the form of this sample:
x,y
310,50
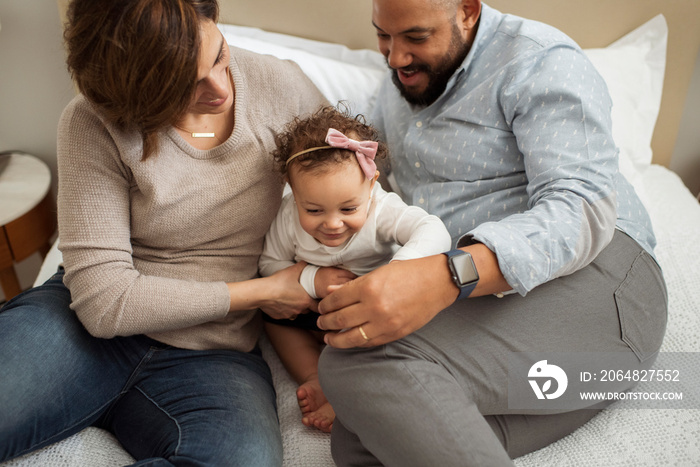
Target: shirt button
x,y
419,124
421,201
417,164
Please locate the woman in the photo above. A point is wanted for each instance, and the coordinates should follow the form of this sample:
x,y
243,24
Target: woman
x,y
166,190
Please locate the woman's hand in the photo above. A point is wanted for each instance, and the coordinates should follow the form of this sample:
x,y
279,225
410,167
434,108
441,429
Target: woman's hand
x,y
279,295
287,297
329,276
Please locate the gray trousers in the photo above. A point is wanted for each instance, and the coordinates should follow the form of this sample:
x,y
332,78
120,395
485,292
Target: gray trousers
x,y
440,395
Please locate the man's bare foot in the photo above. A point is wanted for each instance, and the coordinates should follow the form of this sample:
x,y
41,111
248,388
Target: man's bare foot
x,y
315,409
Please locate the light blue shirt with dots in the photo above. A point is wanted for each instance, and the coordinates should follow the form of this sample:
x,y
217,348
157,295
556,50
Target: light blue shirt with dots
x,y
517,153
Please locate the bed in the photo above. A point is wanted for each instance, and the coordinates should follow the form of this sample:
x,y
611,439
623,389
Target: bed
x,y
635,52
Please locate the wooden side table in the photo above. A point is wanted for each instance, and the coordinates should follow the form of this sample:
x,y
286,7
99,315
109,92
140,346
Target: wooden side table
x,y
27,215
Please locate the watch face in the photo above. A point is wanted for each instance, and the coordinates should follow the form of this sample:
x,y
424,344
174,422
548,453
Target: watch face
x,y
464,268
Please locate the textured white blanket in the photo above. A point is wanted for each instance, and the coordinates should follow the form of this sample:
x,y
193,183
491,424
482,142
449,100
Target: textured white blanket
x,y
615,437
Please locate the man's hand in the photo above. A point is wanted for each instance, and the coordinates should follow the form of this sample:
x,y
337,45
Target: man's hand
x,y
328,276
393,301
388,303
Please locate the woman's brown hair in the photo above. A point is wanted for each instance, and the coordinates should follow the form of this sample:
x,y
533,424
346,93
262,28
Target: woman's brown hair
x,y
137,59
310,132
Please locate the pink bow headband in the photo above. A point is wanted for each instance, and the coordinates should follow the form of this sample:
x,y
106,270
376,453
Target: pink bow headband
x,y
364,150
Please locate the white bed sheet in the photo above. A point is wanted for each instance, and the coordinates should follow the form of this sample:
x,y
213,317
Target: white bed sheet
x,y
615,437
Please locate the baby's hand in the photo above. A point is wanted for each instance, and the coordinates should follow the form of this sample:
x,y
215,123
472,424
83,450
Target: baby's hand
x,y
328,276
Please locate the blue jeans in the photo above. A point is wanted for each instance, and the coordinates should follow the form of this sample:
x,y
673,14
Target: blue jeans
x,y
166,406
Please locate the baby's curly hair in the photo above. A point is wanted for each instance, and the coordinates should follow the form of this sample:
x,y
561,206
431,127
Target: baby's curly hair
x,y
310,132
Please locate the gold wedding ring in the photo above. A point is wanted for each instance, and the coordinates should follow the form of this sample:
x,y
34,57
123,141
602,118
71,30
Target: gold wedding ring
x,y
362,331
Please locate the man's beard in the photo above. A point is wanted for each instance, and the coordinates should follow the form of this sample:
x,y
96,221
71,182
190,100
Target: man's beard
x,y
438,76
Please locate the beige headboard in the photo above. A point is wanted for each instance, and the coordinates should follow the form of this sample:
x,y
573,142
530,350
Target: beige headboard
x,y
592,23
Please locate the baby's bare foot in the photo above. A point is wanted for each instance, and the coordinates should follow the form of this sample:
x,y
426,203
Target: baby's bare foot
x,y
315,408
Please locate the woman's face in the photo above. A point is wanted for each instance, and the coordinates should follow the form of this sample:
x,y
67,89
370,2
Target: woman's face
x,y
214,93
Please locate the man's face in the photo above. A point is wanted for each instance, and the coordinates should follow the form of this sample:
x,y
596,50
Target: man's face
x,y
423,46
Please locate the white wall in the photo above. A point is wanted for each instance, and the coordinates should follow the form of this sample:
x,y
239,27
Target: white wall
x,y
34,83
686,154
34,87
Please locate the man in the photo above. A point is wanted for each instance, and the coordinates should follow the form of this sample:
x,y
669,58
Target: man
x,y
501,127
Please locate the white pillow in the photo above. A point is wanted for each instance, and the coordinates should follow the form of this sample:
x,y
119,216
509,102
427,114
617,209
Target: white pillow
x,y
633,69
339,73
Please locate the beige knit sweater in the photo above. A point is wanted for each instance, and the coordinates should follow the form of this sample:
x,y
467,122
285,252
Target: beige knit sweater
x,y
148,245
